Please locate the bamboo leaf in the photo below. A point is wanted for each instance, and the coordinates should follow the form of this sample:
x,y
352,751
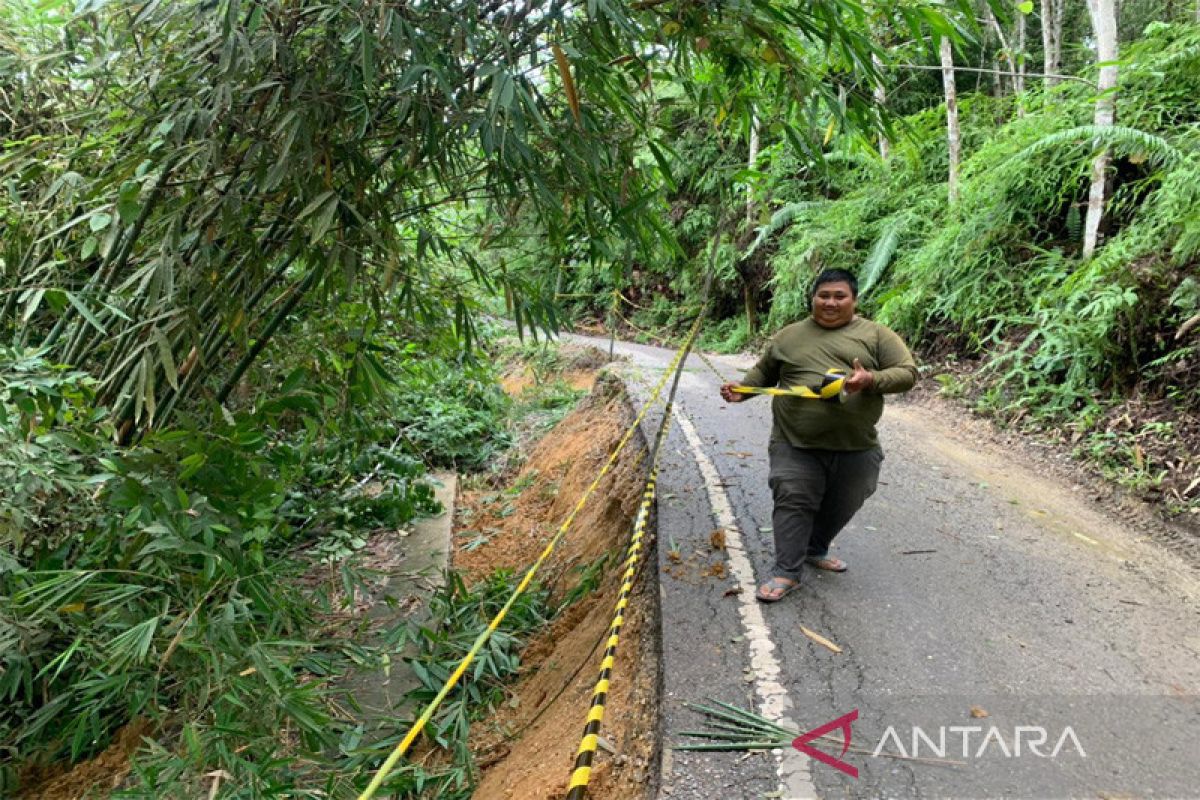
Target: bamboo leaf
x,y
133,645
821,640
317,202
166,358
32,299
1121,138
880,256
325,218
84,311
564,71
662,162
368,58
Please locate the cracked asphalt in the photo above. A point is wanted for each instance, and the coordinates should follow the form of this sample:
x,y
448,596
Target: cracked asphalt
x,y
986,607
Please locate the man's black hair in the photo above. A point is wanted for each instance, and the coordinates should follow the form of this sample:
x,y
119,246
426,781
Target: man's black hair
x,y
835,276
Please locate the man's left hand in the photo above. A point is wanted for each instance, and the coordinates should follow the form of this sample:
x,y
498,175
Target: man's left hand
x,y
859,380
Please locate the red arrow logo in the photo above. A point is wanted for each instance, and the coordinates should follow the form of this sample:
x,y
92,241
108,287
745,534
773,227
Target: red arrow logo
x,y
801,743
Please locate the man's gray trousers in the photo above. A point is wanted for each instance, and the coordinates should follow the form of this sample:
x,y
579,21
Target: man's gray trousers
x,y
816,493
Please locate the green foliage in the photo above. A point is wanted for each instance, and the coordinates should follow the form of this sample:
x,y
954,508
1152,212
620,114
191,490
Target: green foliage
x,y
161,581
780,219
462,613
1116,138
459,613
731,335
453,412
173,581
50,437
880,256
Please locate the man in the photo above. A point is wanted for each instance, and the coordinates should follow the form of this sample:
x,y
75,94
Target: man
x,y
824,454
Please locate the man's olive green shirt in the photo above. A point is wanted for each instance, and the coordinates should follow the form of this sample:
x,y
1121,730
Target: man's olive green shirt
x,y
800,354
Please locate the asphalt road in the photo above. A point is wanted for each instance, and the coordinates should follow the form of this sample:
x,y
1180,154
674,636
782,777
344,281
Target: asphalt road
x,y
988,610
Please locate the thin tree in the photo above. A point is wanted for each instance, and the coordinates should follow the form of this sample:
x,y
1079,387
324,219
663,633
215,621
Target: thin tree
x,y
880,93
751,283
751,165
1052,27
1104,25
1019,55
952,136
1003,52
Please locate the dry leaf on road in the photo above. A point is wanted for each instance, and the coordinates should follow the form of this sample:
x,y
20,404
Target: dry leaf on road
x,y
819,639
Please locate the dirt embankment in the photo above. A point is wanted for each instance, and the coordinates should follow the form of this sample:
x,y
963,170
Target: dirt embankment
x,y
96,777
528,749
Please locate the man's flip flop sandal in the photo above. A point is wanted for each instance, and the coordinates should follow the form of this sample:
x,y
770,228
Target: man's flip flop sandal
x,y
828,563
767,592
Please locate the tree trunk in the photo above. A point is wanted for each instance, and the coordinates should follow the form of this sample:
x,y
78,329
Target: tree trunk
x,y
750,302
751,162
951,116
1003,52
1018,67
885,147
746,270
1104,24
1052,25
1019,58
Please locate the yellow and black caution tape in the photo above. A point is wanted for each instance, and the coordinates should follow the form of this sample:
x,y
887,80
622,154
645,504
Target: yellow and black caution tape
x,y
704,359
389,765
582,770
830,390
629,302
647,333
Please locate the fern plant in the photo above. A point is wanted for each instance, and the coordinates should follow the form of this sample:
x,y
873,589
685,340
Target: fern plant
x,y
1123,140
780,219
881,255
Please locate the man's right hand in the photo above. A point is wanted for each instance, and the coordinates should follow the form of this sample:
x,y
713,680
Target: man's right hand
x,y
729,395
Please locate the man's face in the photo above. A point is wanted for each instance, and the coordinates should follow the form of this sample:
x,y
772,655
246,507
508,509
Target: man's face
x,y
833,304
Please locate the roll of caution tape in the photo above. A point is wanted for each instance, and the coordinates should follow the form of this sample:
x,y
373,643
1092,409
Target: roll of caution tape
x,y
831,390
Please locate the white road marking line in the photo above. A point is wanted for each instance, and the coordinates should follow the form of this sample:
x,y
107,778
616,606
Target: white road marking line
x,y
775,704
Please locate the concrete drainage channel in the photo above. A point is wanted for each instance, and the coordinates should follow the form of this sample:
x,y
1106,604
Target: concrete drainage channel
x,y
423,559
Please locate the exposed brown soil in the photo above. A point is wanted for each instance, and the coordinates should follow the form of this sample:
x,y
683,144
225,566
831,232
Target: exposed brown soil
x,y
515,523
520,381
96,777
528,749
